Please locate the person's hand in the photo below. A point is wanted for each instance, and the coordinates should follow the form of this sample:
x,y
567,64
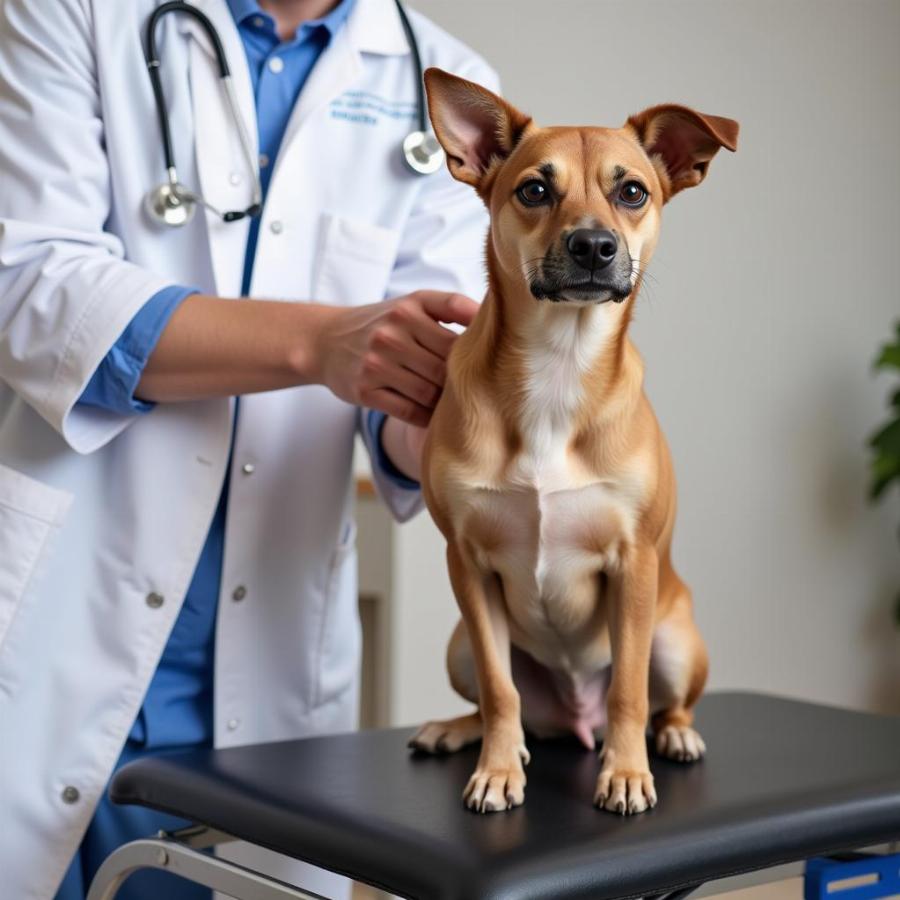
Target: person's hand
x,y
391,356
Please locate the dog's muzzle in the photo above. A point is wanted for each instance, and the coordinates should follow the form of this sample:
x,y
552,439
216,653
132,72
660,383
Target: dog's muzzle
x,y
591,265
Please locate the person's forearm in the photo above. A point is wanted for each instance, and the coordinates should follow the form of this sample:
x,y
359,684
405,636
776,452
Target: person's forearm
x,y
389,355
213,347
402,443
216,347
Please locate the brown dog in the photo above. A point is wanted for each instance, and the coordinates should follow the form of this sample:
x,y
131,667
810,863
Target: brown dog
x,y
545,468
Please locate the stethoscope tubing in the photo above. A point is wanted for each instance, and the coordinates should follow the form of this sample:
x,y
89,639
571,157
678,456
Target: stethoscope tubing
x,y
417,66
151,54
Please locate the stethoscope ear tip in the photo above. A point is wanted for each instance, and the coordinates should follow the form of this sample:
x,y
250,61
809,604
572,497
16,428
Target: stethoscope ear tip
x,y
236,215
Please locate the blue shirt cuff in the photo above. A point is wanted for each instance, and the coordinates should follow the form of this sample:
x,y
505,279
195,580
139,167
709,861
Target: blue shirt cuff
x,y
115,380
375,420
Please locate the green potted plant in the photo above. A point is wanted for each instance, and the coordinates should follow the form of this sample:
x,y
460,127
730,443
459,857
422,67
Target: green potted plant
x,y
885,443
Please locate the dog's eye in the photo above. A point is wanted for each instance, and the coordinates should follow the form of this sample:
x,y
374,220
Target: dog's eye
x,y
633,194
533,192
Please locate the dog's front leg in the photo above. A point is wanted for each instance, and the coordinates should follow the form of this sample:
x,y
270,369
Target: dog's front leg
x,y
499,779
625,784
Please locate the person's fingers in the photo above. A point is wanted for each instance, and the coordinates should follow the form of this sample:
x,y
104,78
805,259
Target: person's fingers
x,y
382,372
433,336
397,405
407,317
444,307
401,346
411,385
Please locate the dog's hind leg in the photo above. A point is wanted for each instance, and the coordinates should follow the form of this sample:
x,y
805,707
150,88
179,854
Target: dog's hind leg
x,y
543,713
450,735
678,667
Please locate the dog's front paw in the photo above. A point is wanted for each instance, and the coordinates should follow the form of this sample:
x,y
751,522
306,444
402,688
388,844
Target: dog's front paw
x,y
624,790
498,782
495,789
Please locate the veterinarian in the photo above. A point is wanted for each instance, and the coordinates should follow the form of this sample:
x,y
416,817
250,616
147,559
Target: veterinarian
x,y
177,569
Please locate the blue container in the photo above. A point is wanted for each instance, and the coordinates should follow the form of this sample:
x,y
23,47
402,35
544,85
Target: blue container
x,y
865,878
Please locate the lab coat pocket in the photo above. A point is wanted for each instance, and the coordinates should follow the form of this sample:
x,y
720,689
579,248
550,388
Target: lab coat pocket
x,y
30,513
354,261
339,638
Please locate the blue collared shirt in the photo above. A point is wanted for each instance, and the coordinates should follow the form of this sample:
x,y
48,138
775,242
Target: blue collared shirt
x,y
278,72
177,708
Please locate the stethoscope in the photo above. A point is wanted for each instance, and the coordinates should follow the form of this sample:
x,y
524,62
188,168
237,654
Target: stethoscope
x,y
174,204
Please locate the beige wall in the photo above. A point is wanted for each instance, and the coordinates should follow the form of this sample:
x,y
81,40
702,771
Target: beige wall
x,y
774,283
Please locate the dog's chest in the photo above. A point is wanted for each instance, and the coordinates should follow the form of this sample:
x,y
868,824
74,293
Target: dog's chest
x,y
549,525
551,521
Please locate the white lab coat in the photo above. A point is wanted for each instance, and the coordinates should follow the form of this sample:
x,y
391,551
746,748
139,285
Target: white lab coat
x,y
100,512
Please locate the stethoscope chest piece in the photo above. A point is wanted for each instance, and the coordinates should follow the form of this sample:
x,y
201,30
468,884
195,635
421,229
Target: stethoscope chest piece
x,y
422,152
168,205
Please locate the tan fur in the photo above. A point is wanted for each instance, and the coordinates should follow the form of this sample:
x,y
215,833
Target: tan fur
x,y
547,472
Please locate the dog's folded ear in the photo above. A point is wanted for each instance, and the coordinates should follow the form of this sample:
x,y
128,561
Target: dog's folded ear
x,y
684,141
475,127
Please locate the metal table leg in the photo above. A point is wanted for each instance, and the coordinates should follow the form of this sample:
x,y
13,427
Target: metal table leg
x,y
179,854
675,895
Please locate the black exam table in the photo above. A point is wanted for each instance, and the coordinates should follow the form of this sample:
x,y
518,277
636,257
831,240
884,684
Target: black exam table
x,y
783,781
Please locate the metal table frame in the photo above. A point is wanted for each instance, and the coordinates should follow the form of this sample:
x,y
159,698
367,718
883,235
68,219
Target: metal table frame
x,y
182,853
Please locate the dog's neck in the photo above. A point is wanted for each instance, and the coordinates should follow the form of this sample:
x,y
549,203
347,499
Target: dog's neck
x,y
559,346
552,364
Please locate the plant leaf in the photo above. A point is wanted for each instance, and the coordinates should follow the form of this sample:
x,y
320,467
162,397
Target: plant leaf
x,y
885,469
889,357
887,440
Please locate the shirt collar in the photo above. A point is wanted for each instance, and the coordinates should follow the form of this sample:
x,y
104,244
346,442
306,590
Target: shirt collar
x,y
241,10
375,27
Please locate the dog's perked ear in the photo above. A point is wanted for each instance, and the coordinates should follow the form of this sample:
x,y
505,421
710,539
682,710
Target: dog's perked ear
x,y
684,141
474,126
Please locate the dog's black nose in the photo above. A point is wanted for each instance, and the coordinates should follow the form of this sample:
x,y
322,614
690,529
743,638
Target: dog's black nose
x,y
592,248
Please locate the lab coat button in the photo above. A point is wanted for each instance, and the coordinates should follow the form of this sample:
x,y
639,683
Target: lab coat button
x,y
154,600
233,724
234,179
70,794
276,65
239,593
248,468
276,227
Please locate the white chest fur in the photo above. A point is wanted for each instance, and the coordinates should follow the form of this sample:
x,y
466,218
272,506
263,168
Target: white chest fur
x,y
560,350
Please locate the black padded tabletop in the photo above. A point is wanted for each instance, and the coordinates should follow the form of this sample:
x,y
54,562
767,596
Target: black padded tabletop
x,y
782,781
